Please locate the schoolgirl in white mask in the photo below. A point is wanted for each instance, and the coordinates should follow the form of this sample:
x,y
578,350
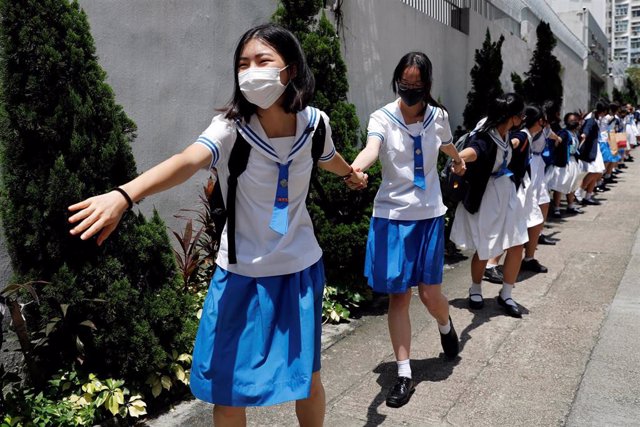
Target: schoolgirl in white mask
x,y
258,342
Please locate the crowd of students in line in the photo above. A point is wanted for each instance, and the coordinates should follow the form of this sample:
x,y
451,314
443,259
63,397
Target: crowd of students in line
x,y
258,342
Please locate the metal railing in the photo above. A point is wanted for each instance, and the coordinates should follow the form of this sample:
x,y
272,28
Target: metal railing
x,y
448,12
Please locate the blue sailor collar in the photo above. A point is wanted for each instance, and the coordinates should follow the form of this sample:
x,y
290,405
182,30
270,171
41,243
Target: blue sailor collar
x,y
392,112
495,136
306,122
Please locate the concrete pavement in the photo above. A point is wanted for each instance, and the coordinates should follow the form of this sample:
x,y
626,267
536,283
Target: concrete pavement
x,y
574,359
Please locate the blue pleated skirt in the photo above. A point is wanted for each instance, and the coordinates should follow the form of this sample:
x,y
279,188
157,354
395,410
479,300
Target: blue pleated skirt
x,y
258,341
402,254
607,155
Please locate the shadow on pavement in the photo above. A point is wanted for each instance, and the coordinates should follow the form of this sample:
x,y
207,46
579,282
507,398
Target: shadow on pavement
x,y
434,369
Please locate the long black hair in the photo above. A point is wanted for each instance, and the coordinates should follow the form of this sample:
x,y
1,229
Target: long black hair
x,y
300,89
502,109
423,64
532,113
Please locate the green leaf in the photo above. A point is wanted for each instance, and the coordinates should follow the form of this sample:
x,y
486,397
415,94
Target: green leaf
x,y
166,382
89,324
112,405
156,389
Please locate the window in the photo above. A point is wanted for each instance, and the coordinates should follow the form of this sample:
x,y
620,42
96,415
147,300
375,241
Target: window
x,y
621,42
635,44
622,10
621,27
635,12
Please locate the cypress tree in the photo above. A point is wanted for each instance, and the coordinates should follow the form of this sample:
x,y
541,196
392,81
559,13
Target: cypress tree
x,y
485,80
543,81
340,216
64,139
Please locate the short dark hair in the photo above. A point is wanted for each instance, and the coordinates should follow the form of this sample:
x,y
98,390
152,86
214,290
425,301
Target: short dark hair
x,y
601,107
614,107
501,109
422,62
532,113
300,89
566,116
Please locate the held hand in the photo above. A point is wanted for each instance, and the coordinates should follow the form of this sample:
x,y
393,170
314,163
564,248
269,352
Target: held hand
x,y
459,168
357,180
98,213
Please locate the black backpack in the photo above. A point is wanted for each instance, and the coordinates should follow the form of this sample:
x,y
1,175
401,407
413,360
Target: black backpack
x,y
224,212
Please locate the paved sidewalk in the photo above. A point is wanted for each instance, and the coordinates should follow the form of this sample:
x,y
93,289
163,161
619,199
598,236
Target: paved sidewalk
x,y
574,359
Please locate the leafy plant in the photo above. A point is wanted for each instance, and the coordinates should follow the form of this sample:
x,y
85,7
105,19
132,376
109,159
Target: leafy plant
x,y
543,81
485,80
64,138
177,370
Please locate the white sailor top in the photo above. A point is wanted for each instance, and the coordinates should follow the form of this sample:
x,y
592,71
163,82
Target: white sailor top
x,y
261,250
410,188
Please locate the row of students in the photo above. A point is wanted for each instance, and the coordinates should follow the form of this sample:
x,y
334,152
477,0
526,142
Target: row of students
x,y
258,342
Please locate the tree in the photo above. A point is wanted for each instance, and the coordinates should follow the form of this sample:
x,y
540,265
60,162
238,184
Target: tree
x,y
518,84
340,216
543,81
485,80
617,96
630,95
116,309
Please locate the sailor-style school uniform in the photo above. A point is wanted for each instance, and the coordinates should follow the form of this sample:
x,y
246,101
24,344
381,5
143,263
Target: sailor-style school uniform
x,y
532,214
258,341
610,124
564,174
538,181
405,245
589,152
496,223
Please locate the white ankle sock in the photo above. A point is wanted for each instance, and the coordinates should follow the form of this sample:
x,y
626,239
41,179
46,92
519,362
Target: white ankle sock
x,y
489,265
444,330
528,258
589,196
404,368
505,293
476,288
571,206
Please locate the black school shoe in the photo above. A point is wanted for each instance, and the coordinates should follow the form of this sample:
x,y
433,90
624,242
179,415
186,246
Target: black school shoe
x,y
450,342
401,392
493,275
574,211
511,310
545,240
533,265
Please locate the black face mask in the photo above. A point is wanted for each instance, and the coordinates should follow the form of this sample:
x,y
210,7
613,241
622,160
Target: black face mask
x,y
572,125
410,96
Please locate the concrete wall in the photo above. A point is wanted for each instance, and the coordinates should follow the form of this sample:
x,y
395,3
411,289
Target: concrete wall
x,y
373,43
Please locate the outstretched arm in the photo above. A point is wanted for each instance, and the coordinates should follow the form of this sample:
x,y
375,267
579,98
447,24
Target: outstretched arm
x,y
458,166
103,212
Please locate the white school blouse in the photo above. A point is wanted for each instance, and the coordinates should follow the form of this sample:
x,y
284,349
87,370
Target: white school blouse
x,y
398,198
261,251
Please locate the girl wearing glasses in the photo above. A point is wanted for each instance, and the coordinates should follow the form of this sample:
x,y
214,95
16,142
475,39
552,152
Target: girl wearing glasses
x,y
405,247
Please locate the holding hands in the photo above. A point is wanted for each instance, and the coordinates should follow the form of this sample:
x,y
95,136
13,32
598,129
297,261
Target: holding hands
x,y
357,179
458,167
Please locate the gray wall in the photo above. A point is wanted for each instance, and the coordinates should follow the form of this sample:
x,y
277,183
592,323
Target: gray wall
x,y
377,33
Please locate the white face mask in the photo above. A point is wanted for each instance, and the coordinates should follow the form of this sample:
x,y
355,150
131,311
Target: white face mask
x,y
261,86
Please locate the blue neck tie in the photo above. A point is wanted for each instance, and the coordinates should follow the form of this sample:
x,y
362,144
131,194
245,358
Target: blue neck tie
x,y
280,216
418,163
504,170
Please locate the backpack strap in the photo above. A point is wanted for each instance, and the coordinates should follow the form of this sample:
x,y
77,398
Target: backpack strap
x,y
317,147
238,160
